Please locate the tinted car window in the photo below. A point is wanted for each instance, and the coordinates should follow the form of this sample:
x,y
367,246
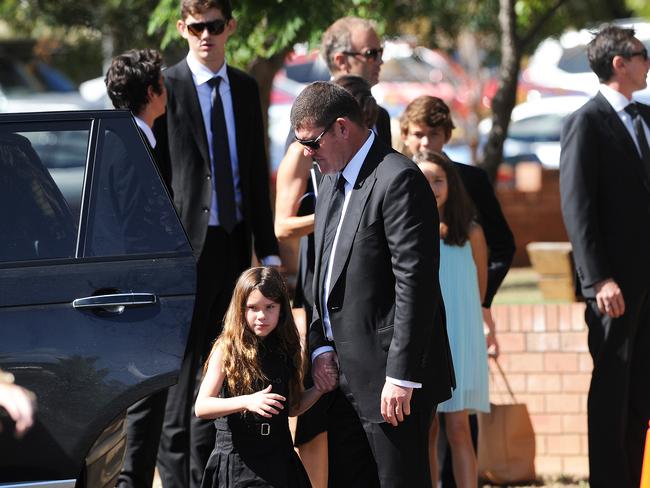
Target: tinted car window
x,y
36,201
130,212
540,128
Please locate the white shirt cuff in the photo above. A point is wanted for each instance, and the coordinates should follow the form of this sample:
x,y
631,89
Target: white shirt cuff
x,y
404,383
271,260
320,350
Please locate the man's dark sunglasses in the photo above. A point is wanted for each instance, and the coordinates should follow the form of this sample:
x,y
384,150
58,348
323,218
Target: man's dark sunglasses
x,y
314,144
642,52
215,27
373,54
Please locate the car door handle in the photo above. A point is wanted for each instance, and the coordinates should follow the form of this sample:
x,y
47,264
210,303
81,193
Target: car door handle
x,y
115,302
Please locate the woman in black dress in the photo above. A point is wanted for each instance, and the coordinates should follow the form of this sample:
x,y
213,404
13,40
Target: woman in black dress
x,y
252,383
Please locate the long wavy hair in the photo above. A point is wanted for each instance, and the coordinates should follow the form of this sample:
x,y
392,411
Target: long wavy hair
x,y
460,213
239,344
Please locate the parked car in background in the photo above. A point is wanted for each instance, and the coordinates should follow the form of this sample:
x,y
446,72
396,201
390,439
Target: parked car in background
x,y
97,283
534,131
29,85
560,65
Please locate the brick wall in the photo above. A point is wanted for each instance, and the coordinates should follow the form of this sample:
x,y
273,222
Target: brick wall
x,y
545,357
533,215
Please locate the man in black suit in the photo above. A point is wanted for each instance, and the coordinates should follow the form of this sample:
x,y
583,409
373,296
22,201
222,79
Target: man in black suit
x,y
605,192
378,311
216,167
426,125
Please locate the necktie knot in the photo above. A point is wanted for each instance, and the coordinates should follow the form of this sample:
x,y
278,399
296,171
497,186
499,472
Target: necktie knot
x,y
632,109
340,183
214,82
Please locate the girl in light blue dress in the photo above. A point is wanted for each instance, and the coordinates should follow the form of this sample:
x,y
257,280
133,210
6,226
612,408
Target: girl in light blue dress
x,y
463,280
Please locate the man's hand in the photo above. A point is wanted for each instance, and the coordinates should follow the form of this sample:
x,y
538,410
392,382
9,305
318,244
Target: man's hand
x,y
395,403
609,298
325,371
19,404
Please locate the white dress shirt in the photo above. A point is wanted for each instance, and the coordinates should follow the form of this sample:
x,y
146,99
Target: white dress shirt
x,y
146,130
618,101
350,174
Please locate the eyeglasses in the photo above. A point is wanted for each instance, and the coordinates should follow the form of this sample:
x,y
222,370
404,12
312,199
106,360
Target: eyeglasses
x,y
314,144
642,52
373,54
215,27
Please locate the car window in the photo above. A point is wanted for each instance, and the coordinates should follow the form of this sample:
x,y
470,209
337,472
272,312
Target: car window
x,y
539,128
40,204
130,211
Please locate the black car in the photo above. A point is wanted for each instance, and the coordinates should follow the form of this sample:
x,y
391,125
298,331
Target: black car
x,y
97,283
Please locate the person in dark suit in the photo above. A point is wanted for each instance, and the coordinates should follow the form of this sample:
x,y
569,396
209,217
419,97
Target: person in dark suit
x,y
426,125
213,159
605,193
134,82
378,314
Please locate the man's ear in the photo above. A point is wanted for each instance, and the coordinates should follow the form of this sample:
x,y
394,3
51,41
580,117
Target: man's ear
x,y
231,27
180,27
340,61
618,63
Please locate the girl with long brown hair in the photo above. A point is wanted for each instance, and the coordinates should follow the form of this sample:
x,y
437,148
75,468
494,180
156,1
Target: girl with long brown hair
x,y
252,383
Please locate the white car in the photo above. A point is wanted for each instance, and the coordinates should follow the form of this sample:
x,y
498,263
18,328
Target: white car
x,y
534,131
561,63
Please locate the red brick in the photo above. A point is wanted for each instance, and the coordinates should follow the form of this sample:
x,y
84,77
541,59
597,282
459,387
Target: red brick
x,y
576,466
574,341
540,444
514,317
584,441
534,402
517,383
562,362
501,318
548,465
552,317
578,316
576,383
574,423
526,317
539,318
527,362
564,317
585,363
544,383
511,342
545,423
543,341
563,403
563,444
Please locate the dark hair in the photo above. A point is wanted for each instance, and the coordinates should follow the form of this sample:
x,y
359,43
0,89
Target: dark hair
x,y
429,111
610,41
360,90
322,102
191,7
338,38
130,76
459,208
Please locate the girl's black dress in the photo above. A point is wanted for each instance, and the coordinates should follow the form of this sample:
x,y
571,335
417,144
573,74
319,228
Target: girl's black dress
x,y
255,451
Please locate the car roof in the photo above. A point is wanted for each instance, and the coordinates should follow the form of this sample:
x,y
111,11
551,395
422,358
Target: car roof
x,y
63,115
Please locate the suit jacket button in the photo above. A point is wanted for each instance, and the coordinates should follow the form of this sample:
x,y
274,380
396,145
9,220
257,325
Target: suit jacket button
x,y
208,177
335,308
206,209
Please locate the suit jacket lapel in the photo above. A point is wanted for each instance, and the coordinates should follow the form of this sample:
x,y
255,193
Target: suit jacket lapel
x,y
240,111
189,99
322,204
360,193
623,138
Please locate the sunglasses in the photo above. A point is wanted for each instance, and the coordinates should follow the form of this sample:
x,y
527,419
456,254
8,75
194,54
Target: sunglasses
x,y
215,27
314,144
643,53
368,54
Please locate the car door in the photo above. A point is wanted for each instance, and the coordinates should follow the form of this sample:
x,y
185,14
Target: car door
x,y
97,283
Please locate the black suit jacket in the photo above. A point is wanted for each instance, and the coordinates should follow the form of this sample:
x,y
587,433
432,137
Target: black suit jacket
x,y
385,305
383,126
605,198
186,165
499,238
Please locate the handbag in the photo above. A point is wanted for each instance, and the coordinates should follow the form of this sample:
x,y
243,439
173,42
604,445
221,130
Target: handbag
x,y
506,442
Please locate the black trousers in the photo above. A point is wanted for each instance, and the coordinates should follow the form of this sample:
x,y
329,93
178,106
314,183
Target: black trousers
x,y
369,455
619,395
185,440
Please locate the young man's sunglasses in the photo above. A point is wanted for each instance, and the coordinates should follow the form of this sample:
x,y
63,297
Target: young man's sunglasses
x,y
314,144
373,54
215,27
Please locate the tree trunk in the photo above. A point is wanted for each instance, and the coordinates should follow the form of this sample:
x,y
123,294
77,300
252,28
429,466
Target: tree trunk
x,y
505,97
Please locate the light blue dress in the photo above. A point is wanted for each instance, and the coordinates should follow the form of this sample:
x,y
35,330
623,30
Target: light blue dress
x,y
460,293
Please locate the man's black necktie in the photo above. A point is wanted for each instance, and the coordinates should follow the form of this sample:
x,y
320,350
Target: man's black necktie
x,y
637,121
332,222
222,177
